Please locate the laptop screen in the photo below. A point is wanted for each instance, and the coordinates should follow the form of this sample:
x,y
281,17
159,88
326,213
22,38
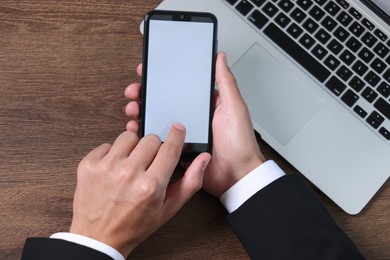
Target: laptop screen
x,y
380,7
384,5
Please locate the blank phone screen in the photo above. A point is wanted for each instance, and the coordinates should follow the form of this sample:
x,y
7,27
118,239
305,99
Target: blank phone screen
x,y
179,78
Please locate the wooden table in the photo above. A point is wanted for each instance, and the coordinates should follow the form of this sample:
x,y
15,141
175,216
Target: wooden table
x,y
63,68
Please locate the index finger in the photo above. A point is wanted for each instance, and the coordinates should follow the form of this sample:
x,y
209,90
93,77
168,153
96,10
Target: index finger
x,y
168,155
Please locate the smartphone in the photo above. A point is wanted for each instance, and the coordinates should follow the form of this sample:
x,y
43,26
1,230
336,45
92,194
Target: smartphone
x,y
178,76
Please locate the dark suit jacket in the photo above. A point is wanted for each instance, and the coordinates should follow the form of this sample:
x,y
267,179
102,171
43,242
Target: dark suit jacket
x,y
284,220
48,248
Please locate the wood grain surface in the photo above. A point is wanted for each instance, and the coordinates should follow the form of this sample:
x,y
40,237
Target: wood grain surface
x,y
63,68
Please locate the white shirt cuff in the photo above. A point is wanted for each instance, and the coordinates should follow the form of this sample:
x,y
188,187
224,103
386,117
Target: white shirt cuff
x,y
249,185
89,242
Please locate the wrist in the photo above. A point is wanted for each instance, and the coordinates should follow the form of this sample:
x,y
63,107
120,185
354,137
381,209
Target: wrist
x,y
110,241
250,184
241,170
89,242
221,176
247,167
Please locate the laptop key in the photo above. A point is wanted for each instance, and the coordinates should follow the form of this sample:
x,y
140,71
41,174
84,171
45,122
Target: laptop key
x,y
332,62
357,29
258,19
344,18
334,46
354,44
332,8
380,35
320,2
270,9
316,13
282,19
381,50
343,4
385,133
357,84
378,65
350,98
386,76
305,4
232,2
372,78
355,13
366,55
347,57
344,73
258,3
297,52
307,41
383,106
244,7
384,89
370,26
360,68
298,15
286,5
360,111
375,121
378,117
341,34
319,51
310,25
369,94
336,86
329,23
369,39
322,36
294,30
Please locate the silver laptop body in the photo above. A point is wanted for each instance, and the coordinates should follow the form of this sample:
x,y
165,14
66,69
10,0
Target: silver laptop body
x,y
306,114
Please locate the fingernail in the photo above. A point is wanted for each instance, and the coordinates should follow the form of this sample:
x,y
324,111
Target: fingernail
x,y
224,58
179,126
206,163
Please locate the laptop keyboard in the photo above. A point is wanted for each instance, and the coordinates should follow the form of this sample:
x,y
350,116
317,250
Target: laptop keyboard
x,y
337,45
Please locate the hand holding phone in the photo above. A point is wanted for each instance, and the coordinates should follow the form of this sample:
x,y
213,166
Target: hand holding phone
x,y
178,76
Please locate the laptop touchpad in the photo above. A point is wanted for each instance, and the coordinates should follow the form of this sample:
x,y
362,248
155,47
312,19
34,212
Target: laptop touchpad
x,y
279,103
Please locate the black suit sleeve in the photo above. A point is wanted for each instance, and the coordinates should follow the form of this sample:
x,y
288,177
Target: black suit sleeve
x,y
48,248
285,220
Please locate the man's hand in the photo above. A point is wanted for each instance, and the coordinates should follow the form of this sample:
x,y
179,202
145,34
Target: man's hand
x,y
122,194
235,149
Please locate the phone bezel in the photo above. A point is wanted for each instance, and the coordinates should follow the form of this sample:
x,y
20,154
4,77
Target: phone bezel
x,y
190,150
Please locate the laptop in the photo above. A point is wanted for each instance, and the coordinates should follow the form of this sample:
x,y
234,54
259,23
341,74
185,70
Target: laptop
x,y
315,75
